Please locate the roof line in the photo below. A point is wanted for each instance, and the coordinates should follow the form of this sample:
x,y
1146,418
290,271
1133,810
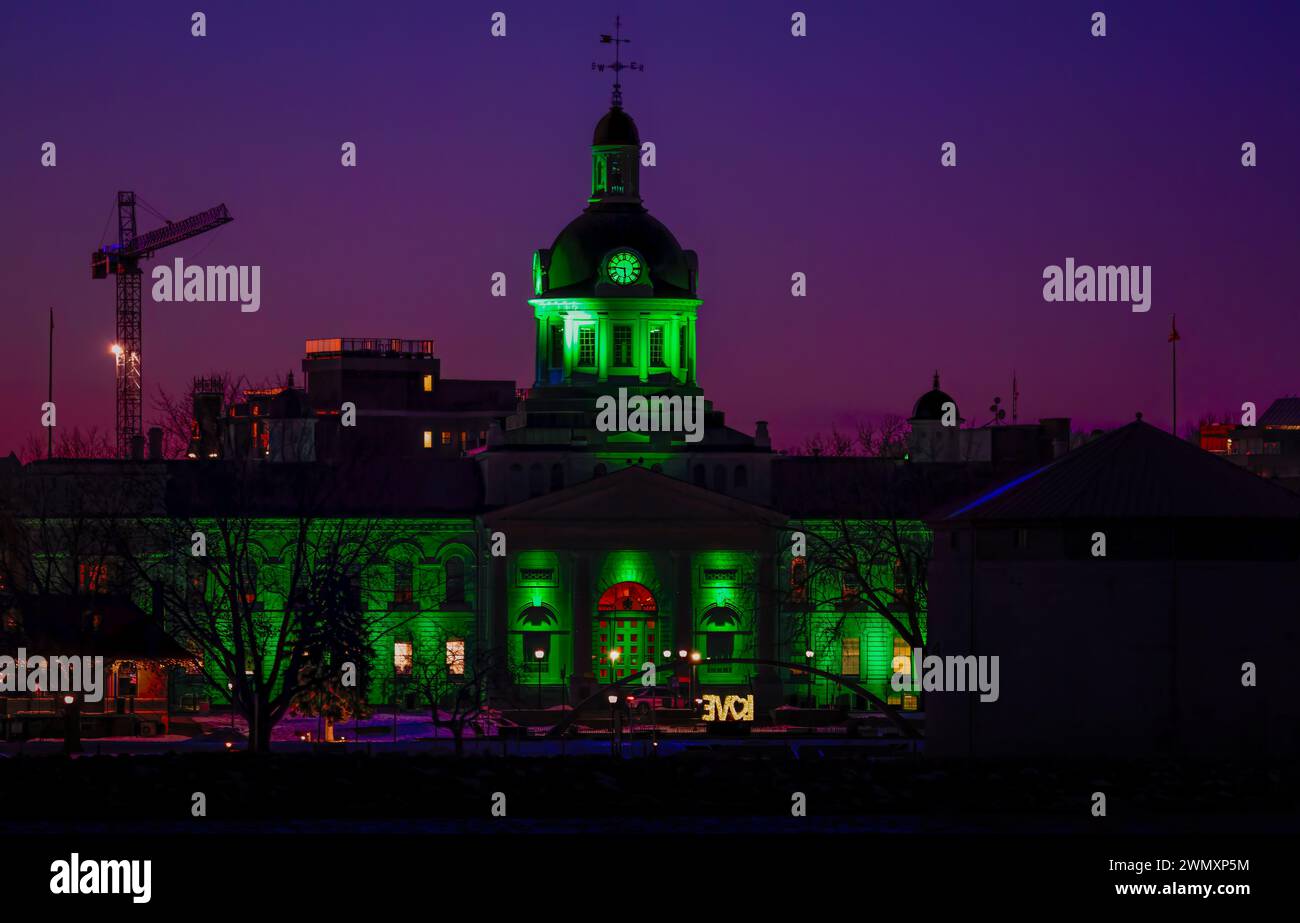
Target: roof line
x,y
998,491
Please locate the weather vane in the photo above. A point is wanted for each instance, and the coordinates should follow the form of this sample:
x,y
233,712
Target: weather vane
x,y
618,66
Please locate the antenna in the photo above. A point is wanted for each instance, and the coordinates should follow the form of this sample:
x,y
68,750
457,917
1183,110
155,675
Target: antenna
x,y
617,40
1015,398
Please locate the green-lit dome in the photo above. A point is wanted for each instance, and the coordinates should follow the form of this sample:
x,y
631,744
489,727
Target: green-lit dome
x,y
581,248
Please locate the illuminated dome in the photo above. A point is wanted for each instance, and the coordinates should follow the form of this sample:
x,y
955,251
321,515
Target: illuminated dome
x,y
581,248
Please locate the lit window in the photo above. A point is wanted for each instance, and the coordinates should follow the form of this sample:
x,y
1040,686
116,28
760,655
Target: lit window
x,y
403,657
464,439
587,345
446,437
92,578
850,656
456,656
428,439
622,346
482,437
657,346
428,382
902,665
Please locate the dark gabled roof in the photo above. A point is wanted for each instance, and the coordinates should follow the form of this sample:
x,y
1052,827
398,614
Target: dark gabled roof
x,y
1285,411
378,486
89,625
1135,472
838,487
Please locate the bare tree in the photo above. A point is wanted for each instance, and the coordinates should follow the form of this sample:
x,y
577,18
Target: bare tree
x,y
74,443
456,687
265,574
874,437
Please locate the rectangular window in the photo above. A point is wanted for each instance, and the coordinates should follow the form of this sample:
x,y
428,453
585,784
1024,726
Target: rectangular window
x,y
557,347
622,346
902,665
403,657
799,580
92,578
428,439
657,346
850,656
446,437
428,382
587,345
720,644
403,588
456,656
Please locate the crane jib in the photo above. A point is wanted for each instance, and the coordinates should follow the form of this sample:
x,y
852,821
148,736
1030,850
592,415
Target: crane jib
x,y
179,230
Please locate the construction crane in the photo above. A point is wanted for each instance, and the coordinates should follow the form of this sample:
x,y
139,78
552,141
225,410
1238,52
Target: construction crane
x,y
123,261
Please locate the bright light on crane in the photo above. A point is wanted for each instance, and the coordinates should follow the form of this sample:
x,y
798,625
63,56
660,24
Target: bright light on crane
x,y
116,350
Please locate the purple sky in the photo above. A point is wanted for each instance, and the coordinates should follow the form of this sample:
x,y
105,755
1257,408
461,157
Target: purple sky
x,y
775,155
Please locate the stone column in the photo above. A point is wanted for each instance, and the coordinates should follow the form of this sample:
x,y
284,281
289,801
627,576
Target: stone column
x,y
767,684
580,594
684,610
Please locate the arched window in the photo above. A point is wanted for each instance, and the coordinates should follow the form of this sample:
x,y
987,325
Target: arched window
x,y
741,476
700,476
720,479
454,573
557,476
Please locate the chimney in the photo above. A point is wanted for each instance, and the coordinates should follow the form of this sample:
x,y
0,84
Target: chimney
x,y
155,443
761,438
137,447
1057,431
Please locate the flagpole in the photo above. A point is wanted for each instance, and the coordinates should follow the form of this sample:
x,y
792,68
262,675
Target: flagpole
x,y
49,430
1173,366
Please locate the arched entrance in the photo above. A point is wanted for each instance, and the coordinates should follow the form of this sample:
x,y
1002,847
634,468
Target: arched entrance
x,y
626,632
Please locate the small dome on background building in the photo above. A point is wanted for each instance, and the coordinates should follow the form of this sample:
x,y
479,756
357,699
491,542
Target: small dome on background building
x,y
929,406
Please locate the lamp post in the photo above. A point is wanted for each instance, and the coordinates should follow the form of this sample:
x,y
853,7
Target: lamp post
x,y
231,687
615,749
539,654
695,659
812,688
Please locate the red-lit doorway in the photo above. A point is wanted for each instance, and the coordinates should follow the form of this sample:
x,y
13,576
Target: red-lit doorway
x,y
627,624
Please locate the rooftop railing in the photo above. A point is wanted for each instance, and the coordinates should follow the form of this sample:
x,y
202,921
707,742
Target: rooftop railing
x,y
369,346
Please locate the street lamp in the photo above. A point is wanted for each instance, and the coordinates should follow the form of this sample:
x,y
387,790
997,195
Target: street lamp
x,y
539,654
231,688
695,658
615,749
812,680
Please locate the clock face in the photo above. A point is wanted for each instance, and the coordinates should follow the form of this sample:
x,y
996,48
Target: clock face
x,y
623,268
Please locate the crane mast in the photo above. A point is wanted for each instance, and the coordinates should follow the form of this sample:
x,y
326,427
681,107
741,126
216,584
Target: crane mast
x,y
123,262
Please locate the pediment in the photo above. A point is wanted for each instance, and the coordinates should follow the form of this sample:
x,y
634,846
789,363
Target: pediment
x,y
635,495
